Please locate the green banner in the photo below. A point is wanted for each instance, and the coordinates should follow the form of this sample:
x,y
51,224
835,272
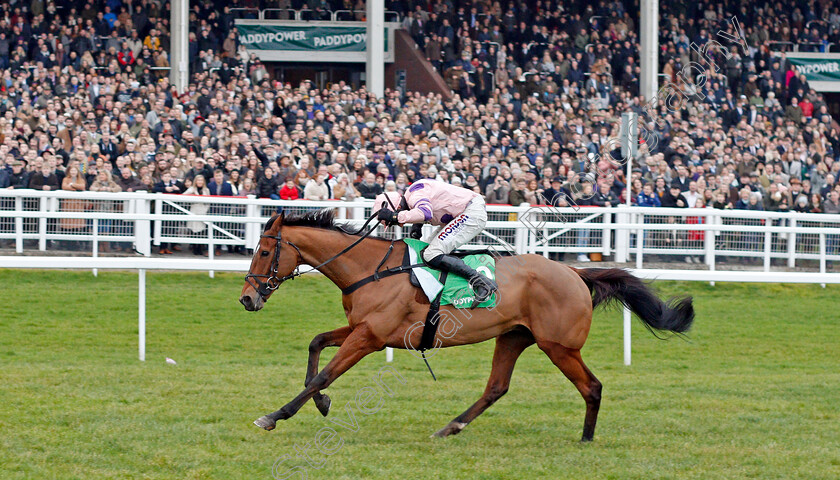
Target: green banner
x,y
304,38
818,69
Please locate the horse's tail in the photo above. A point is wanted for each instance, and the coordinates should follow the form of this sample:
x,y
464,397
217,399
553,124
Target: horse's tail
x,y
615,284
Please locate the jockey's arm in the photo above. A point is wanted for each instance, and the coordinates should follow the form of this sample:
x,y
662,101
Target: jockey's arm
x,y
420,213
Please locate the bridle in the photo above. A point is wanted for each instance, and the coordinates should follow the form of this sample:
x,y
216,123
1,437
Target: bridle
x,y
273,281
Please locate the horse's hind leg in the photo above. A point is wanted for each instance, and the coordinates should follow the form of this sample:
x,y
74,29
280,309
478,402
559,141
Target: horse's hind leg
x,y
327,339
571,364
508,348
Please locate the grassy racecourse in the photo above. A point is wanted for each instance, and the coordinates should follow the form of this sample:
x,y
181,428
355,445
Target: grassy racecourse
x,y
754,394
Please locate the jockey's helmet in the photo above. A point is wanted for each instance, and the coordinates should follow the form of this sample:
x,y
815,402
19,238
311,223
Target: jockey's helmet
x,y
389,200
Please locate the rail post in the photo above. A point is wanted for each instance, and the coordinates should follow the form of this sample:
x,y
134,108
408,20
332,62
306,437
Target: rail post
x,y
141,314
627,336
95,242
19,226
42,224
791,246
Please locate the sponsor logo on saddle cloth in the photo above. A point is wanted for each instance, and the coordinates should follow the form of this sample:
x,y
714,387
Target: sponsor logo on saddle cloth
x,y
457,291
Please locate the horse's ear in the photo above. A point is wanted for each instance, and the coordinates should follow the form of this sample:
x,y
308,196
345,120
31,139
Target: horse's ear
x,y
282,216
271,221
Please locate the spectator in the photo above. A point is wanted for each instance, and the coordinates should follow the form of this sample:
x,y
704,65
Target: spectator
x,y
695,238
197,229
45,179
167,184
104,183
517,194
248,188
74,182
498,192
316,189
721,202
368,188
289,191
18,178
647,198
674,198
555,195
691,195
267,186
129,182
344,190
219,186
832,204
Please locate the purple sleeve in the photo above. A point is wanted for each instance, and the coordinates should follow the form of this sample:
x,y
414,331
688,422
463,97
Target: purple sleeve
x,y
422,212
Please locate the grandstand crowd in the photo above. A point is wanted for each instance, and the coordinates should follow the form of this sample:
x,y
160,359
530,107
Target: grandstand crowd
x,y
538,90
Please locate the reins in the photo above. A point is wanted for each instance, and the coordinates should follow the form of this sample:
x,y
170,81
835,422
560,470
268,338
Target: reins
x,y
273,281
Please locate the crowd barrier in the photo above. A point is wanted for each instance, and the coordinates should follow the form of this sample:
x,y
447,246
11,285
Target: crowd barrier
x,y
82,221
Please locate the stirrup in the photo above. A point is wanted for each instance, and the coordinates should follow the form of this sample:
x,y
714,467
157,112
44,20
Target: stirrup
x,y
482,290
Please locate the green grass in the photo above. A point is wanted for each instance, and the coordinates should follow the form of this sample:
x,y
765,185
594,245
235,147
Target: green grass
x,y
754,394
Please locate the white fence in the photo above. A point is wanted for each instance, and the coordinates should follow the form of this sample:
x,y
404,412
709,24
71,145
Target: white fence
x,y
81,220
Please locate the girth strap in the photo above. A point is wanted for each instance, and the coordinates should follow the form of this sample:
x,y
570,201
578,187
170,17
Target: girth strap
x,y
427,341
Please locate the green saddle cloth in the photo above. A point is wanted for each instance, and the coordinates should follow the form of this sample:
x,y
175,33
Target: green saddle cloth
x,y
457,290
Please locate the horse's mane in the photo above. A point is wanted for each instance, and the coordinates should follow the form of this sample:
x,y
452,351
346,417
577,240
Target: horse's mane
x,y
323,219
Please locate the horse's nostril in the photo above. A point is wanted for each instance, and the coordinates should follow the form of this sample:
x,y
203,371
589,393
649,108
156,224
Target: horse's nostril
x,y
245,300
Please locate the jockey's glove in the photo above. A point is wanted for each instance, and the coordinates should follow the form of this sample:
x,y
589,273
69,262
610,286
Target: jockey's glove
x,y
388,216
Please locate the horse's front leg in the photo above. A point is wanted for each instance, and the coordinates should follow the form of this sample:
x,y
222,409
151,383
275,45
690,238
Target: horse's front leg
x,y
327,339
358,345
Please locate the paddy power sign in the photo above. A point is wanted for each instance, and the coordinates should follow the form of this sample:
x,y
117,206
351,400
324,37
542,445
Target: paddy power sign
x,y
304,38
818,69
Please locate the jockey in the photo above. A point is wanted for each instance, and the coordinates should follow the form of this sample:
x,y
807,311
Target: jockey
x,y
461,215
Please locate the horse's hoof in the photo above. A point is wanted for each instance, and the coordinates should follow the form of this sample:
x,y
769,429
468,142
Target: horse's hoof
x,y
452,428
265,423
323,403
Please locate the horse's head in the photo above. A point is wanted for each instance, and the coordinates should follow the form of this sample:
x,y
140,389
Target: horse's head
x,y
275,260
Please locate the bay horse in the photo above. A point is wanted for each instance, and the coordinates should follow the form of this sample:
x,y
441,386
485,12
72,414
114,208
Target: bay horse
x,y
540,301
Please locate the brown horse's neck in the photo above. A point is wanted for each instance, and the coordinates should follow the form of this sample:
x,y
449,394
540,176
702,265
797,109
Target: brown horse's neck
x,y
318,245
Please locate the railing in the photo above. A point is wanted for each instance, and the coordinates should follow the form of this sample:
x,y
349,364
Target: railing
x,y
277,14
779,42
811,47
306,14
589,74
592,20
586,47
80,221
244,12
825,24
347,15
531,45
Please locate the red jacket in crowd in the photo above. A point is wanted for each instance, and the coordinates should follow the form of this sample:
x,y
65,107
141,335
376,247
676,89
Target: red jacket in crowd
x,y
289,193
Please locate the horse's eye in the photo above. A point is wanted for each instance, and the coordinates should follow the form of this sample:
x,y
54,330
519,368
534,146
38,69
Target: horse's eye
x,y
264,253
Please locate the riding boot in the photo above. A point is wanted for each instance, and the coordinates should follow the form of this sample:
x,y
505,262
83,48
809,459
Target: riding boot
x,y
482,286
